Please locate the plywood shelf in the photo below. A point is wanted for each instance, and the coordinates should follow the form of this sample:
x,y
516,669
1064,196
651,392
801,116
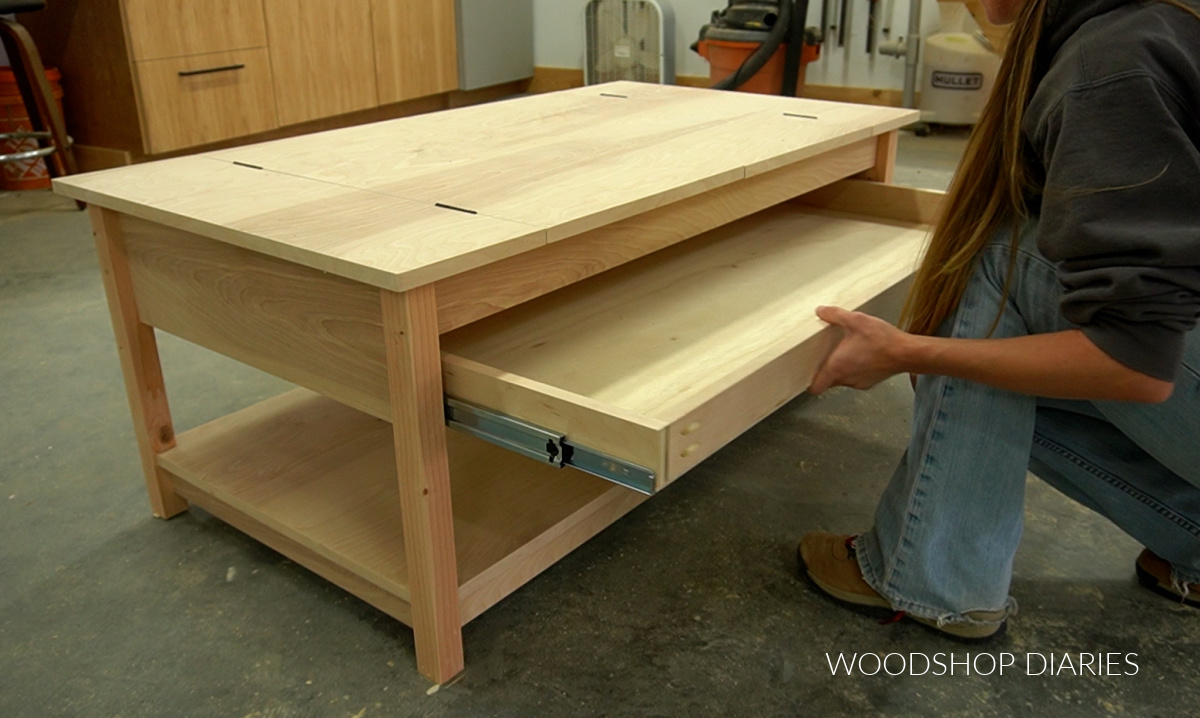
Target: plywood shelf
x,y
316,481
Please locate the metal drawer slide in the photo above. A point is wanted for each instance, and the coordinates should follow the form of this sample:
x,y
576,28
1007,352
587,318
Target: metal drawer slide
x,y
544,445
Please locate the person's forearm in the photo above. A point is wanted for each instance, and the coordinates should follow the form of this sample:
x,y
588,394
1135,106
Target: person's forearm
x,y
1065,365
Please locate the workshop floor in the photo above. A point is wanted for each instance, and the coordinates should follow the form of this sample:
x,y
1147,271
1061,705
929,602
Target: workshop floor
x,y
688,606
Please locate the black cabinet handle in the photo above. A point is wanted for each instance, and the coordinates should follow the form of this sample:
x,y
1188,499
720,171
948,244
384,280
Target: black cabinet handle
x,y
223,68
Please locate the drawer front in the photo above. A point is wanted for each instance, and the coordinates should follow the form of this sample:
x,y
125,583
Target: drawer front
x,y
160,29
195,100
662,362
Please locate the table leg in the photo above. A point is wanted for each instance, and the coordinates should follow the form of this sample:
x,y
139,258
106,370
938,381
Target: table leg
x,y
418,420
885,159
139,363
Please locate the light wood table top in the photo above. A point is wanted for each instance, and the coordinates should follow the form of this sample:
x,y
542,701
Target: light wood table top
x,y
406,202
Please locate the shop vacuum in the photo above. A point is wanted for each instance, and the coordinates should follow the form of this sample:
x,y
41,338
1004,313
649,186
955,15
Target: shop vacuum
x,y
759,46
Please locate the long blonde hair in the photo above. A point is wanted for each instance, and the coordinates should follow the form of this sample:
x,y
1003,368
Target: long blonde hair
x,y
991,184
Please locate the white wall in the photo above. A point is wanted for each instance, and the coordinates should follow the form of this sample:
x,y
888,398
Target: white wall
x,y
558,32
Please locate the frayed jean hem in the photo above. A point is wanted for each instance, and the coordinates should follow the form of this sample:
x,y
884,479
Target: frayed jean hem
x,y
942,617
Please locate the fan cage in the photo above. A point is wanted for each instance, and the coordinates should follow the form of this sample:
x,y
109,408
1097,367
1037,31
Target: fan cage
x,y
629,40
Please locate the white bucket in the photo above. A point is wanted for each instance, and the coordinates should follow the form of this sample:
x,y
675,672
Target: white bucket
x,y
959,71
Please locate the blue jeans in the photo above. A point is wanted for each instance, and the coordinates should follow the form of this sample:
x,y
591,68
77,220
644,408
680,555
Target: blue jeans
x,y
947,527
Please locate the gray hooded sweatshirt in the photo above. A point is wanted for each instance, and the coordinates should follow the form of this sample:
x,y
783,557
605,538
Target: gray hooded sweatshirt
x,y
1114,128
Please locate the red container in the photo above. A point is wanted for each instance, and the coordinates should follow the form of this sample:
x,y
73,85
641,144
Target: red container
x,y
27,174
725,57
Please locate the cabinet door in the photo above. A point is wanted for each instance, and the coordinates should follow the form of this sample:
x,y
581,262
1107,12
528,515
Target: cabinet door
x,y
416,48
160,29
321,57
194,100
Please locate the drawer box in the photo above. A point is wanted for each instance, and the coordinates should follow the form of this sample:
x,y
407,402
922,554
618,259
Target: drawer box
x,y
659,363
653,365
195,100
160,29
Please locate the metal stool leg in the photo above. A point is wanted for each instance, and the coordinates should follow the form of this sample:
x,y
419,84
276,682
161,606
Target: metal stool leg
x,y
44,114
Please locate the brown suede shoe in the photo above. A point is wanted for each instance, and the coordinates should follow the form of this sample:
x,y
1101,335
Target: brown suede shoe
x,y
828,561
1154,572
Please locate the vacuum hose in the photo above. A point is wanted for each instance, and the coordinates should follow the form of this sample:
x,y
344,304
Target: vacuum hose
x,y
795,40
754,63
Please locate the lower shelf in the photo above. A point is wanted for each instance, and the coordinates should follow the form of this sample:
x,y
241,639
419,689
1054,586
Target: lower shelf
x,y
316,481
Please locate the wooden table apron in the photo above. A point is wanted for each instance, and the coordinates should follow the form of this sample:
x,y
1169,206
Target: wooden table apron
x,y
372,353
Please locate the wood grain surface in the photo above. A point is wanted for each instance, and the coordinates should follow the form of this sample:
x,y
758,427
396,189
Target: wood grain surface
x,y
414,63
478,293
317,480
362,202
660,339
174,28
314,329
181,111
322,57
137,349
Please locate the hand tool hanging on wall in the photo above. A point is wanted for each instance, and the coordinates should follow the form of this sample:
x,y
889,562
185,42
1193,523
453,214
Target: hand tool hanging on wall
x,y
824,18
843,22
872,18
828,22
889,17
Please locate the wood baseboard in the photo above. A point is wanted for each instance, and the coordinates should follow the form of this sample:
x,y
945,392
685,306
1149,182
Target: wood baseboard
x,y
90,158
551,79
858,95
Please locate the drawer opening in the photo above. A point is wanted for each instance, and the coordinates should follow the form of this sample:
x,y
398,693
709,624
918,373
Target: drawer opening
x,y
663,361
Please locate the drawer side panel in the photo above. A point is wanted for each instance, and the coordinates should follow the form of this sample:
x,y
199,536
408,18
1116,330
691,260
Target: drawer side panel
x,y
585,422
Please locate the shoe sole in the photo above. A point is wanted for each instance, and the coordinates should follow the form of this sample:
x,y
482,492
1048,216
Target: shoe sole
x,y
878,608
1146,579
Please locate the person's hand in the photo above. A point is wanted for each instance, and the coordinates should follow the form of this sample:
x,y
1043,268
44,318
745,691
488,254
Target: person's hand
x,y
865,356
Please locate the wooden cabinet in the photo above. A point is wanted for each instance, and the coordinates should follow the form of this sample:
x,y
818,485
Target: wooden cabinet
x,y
322,56
409,68
199,80
150,77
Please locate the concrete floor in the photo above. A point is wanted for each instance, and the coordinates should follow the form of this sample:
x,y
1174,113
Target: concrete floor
x,y
688,606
